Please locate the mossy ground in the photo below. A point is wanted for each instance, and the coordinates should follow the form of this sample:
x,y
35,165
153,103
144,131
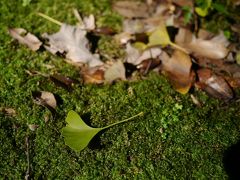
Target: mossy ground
x,y
173,140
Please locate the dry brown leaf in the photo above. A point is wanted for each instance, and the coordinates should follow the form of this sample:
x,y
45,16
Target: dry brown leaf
x,y
28,39
63,81
214,85
8,111
46,99
220,67
115,72
33,127
182,3
178,70
195,101
131,9
72,41
93,76
214,48
234,82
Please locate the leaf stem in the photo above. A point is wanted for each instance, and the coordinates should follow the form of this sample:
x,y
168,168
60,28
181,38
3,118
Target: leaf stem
x,y
178,47
125,120
50,19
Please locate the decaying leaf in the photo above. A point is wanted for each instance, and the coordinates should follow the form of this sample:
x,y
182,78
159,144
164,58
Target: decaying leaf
x,y
214,48
220,67
234,82
178,70
115,72
72,41
62,81
131,9
195,101
188,3
93,76
8,111
135,56
46,99
133,26
33,127
214,85
77,134
25,38
148,64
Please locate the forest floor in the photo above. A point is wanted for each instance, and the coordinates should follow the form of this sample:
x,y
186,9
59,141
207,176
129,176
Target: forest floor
x,y
174,139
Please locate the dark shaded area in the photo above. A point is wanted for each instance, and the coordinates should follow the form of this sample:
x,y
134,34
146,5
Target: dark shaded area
x,y
130,68
95,142
94,41
231,161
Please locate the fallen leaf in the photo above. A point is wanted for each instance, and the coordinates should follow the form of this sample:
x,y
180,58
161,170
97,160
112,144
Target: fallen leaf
x,y
93,75
104,31
181,3
214,85
77,134
28,39
33,127
63,81
147,65
89,22
8,111
218,66
72,41
136,56
133,26
131,9
178,70
115,72
195,101
234,82
214,48
160,37
46,99
202,10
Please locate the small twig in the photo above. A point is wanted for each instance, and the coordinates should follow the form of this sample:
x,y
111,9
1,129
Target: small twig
x,y
50,19
28,159
77,15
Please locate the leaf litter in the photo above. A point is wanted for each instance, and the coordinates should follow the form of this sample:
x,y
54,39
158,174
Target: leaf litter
x,y
191,58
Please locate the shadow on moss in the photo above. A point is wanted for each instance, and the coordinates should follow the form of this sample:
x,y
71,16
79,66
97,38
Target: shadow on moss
x,y
231,161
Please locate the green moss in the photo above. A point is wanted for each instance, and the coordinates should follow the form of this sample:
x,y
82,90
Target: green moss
x,y
174,139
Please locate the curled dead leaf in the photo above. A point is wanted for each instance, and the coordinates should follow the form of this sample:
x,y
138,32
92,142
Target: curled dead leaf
x,y
63,81
8,111
178,70
93,76
135,56
28,39
72,41
214,85
33,127
214,48
131,9
46,99
115,72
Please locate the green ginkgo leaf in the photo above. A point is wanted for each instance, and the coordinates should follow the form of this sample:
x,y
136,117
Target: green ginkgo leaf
x,y
202,9
77,134
160,37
